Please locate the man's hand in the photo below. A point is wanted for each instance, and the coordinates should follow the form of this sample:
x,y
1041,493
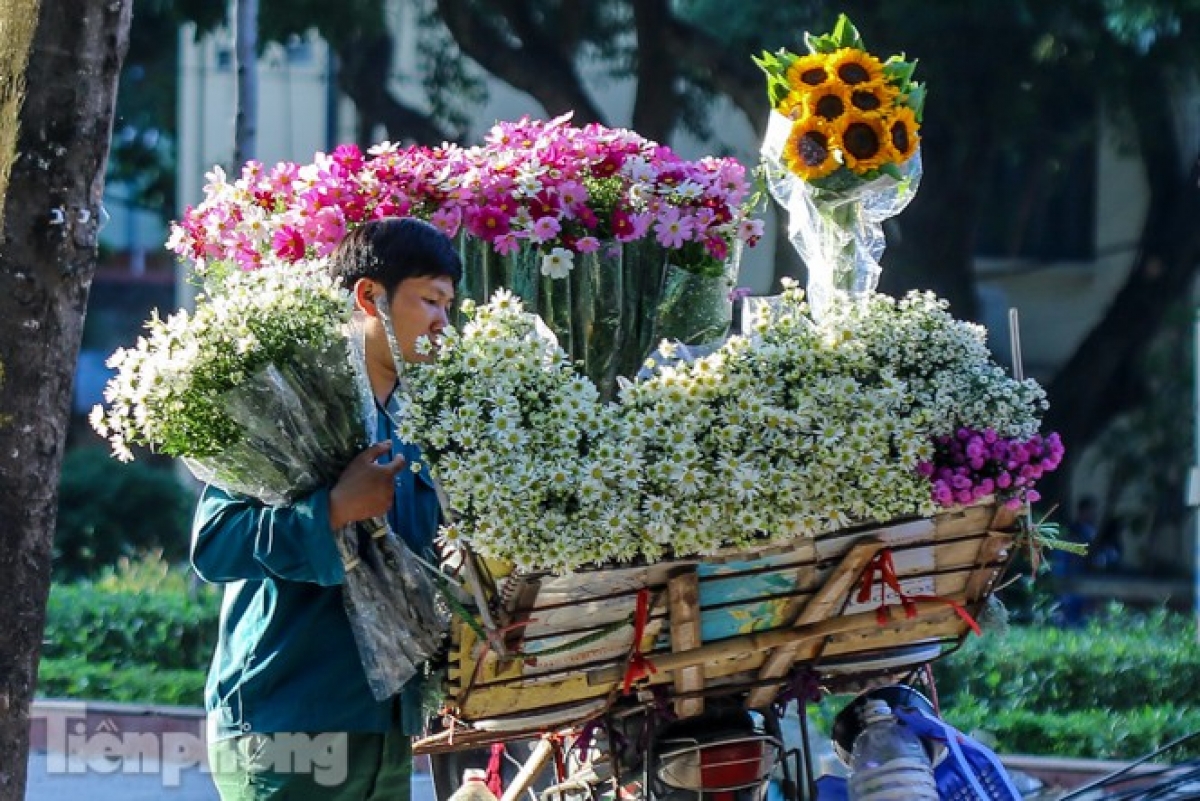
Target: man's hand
x,y
365,489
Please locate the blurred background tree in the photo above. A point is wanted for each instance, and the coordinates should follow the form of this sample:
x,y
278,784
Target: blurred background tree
x,y
1019,93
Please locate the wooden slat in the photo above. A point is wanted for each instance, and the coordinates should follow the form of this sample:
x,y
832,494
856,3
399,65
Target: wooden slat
x,y
683,593
766,640
993,551
821,605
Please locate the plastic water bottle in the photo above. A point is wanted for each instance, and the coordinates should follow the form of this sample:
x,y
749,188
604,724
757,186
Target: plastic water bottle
x,y
474,787
887,761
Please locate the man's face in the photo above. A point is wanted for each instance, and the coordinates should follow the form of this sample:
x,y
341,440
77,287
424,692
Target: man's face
x,y
420,308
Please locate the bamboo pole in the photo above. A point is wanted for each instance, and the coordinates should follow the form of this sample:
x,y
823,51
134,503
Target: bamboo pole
x,y
530,770
683,592
832,593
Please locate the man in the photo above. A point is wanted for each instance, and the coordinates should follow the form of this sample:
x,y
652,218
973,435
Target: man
x,y
290,713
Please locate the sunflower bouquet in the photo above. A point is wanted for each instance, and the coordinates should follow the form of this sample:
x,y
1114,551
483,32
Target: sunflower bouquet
x,y
841,154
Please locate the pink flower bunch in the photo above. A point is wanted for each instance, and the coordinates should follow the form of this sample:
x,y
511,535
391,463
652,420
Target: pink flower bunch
x,y
969,465
546,184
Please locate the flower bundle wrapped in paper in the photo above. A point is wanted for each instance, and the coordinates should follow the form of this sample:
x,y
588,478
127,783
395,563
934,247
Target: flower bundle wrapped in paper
x,y
841,155
258,392
613,239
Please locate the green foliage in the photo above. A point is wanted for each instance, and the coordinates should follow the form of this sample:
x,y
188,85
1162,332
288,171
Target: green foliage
x,y
133,619
844,34
108,510
1084,733
1117,688
143,632
76,677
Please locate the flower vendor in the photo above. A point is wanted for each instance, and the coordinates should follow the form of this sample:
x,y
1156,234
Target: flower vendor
x,y
291,713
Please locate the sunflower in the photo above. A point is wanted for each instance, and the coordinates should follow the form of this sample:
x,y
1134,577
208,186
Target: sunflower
x,y
807,152
853,66
864,141
809,70
878,96
829,102
902,133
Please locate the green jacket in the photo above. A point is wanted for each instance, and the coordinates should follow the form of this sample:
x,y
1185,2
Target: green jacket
x,y
286,660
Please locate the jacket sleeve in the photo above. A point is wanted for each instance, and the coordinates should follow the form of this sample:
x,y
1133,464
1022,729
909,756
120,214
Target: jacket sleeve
x,y
235,538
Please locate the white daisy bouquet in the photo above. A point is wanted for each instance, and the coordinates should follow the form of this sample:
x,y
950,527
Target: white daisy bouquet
x,y
800,427
259,392
790,431
528,455
807,425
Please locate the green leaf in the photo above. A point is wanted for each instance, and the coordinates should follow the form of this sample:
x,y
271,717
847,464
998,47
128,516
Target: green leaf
x,y
891,170
899,72
916,100
845,34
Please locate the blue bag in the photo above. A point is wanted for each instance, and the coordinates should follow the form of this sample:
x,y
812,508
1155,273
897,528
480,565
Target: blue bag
x,y
970,771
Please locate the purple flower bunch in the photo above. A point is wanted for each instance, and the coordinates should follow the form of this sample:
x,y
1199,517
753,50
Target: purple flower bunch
x,y
969,465
546,184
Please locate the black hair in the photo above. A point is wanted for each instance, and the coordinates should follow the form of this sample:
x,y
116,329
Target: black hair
x,y
391,249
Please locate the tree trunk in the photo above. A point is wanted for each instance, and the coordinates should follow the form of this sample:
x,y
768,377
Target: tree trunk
x,y
656,106
245,131
59,64
1102,378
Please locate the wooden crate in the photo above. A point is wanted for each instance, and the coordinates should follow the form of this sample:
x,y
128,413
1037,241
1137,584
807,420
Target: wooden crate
x,y
736,622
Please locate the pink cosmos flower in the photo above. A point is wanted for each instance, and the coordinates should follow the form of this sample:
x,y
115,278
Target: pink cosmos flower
x,y
506,244
288,244
488,222
544,229
447,220
673,229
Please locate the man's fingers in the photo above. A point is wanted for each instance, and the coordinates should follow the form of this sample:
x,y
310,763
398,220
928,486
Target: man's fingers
x,y
396,465
375,451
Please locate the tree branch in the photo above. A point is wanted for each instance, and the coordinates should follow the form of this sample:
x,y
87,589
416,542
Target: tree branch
x,y
731,74
363,76
537,65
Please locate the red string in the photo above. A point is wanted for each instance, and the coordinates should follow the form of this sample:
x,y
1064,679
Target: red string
x,y
639,666
495,778
884,568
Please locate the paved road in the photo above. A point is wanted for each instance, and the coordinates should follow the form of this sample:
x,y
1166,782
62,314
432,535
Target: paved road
x,y
49,780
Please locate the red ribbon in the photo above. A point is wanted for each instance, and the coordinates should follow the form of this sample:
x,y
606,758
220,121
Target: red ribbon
x,y
495,776
639,666
884,568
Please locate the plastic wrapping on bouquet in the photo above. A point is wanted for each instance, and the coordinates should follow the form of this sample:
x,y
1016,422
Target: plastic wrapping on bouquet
x,y
301,422
838,229
614,306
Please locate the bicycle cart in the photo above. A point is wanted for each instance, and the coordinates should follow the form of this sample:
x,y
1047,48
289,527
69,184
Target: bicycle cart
x,y
601,659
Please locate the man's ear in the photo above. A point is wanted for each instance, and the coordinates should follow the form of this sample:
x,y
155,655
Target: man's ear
x,y
364,295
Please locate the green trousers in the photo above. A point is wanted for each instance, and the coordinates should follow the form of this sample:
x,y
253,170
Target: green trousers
x,y
299,766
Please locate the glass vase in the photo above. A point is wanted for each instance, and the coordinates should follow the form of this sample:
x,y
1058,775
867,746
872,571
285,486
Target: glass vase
x,y
614,306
